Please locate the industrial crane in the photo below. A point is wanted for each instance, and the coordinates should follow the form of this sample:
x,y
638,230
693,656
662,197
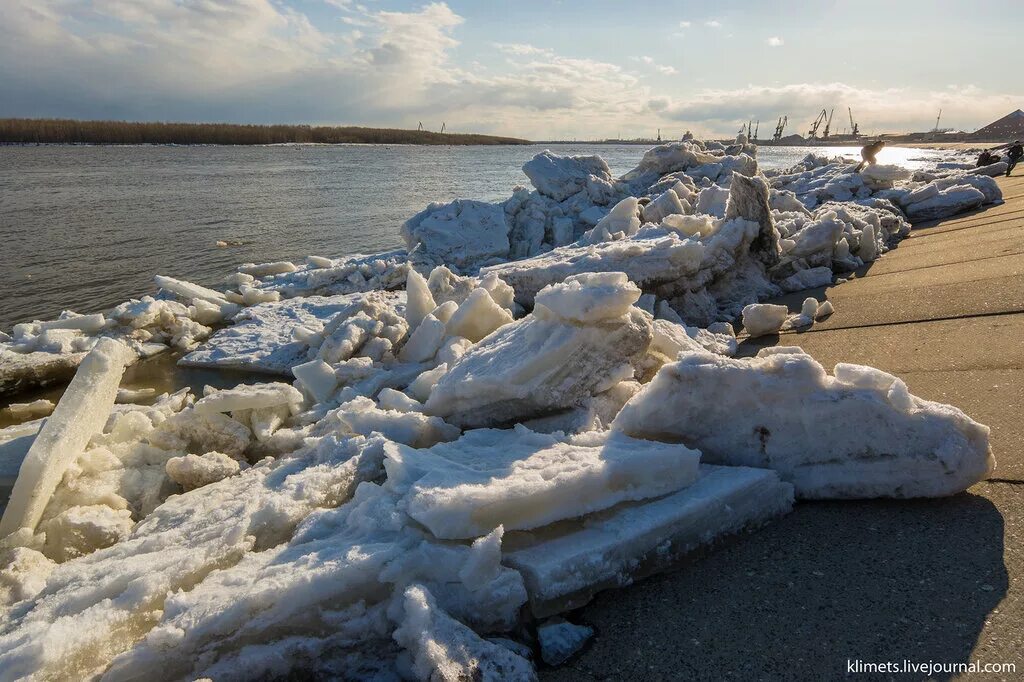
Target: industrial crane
x,y
854,130
783,120
813,132
828,124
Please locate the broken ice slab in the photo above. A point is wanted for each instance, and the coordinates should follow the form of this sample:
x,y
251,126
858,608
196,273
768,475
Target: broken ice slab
x,y
856,435
249,397
21,370
81,413
261,340
520,479
348,275
567,563
649,258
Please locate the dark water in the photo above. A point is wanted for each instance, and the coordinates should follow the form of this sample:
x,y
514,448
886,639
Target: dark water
x,y
85,228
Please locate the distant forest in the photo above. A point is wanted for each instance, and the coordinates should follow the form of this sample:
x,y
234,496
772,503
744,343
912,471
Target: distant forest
x,y
62,131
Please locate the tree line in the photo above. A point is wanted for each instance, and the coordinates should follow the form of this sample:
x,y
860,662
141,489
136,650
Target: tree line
x,y
67,131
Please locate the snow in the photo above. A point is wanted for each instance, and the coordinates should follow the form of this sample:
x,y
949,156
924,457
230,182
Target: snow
x,y
195,471
535,366
264,339
264,269
957,199
587,298
559,177
80,414
622,221
760,319
560,640
521,480
317,378
565,565
781,410
419,300
478,316
444,649
351,274
248,397
665,204
424,343
465,234
134,395
32,410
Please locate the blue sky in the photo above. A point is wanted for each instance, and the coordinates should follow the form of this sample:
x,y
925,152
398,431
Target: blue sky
x,y
542,70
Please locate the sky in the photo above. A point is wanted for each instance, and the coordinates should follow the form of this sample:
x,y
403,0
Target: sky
x,y
539,69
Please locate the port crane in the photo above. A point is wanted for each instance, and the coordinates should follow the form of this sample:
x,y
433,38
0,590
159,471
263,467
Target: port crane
x,y
937,119
828,124
757,127
813,132
783,120
854,130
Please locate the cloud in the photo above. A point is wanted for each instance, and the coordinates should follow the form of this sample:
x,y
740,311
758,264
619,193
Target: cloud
x,y
685,24
776,41
262,61
876,110
663,69
521,49
713,23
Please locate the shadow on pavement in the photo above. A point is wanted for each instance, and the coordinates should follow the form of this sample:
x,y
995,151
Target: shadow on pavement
x,y
830,583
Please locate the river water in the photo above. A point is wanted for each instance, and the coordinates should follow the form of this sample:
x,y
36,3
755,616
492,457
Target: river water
x,y
86,227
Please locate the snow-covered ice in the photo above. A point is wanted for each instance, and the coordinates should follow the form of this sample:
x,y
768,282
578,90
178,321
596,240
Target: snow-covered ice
x,y
560,640
81,413
521,480
782,411
565,565
543,362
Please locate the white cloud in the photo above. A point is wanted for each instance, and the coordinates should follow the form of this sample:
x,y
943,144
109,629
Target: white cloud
x,y
776,41
713,23
663,69
685,24
261,61
521,49
876,110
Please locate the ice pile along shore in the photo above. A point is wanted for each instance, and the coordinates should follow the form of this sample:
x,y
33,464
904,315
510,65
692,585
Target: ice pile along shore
x,y
436,471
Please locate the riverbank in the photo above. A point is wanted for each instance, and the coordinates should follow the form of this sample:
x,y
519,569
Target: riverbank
x,y
67,131
875,580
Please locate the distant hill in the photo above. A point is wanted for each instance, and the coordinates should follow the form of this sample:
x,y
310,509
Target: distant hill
x,y
1009,127
64,131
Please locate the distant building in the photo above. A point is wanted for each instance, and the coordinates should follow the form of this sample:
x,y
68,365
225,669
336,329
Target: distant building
x,y
1009,127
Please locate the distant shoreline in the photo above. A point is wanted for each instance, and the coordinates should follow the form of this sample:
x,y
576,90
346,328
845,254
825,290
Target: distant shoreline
x,y
29,131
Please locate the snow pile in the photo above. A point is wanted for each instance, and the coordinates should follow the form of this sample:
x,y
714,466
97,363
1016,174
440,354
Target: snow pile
x,y
781,410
